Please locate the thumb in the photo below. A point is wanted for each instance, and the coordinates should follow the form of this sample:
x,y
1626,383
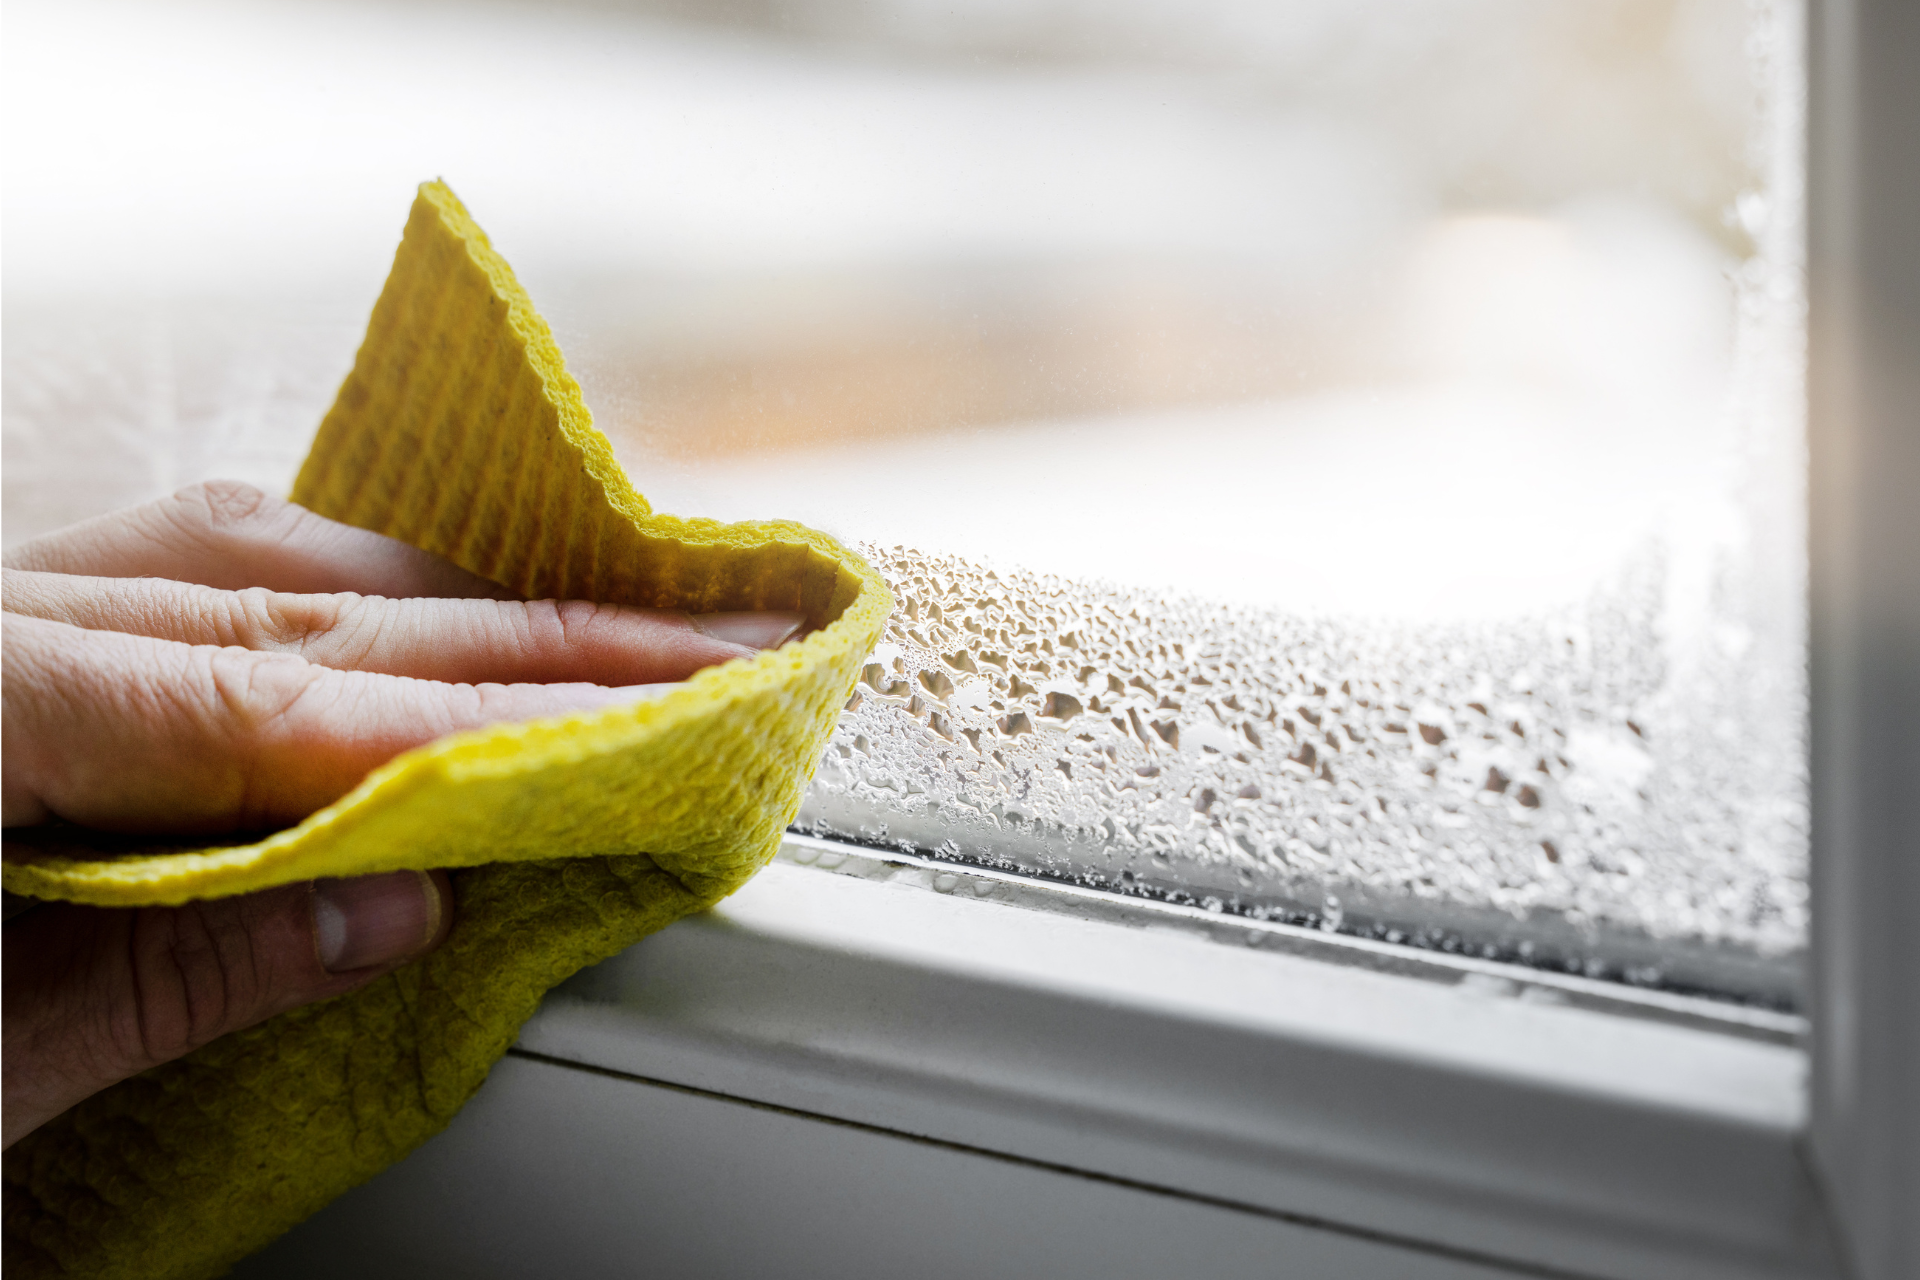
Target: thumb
x,y
94,995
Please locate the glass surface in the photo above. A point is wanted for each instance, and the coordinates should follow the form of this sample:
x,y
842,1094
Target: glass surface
x,y
1338,461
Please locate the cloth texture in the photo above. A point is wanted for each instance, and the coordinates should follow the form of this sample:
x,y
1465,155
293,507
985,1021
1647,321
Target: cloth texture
x,y
460,431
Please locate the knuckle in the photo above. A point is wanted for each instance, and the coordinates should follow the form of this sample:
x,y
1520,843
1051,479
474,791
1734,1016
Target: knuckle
x,y
224,504
354,627
198,973
285,622
253,620
214,513
575,621
258,693
535,625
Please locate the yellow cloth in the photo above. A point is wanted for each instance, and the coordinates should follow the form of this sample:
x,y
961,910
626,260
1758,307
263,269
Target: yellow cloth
x,y
460,431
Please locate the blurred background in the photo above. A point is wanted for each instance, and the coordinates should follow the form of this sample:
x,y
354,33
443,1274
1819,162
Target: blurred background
x,y
962,269
1433,313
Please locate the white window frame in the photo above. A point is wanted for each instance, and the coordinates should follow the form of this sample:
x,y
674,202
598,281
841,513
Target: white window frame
x,y
1461,1107
1477,1114
1864,269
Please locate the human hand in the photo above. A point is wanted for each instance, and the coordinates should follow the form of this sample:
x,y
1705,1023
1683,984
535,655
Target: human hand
x,y
209,663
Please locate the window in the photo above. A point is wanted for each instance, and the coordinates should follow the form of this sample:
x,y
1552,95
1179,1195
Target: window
x,y
1424,378
1339,464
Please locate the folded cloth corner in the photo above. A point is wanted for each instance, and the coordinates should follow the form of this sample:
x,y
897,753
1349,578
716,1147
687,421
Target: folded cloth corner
x,y
460,431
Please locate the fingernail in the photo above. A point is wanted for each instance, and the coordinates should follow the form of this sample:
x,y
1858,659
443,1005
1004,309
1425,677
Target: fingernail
x,y
374,920
767,630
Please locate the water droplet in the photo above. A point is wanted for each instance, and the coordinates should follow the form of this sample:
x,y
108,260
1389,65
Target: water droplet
x,y
1061,706
1187,695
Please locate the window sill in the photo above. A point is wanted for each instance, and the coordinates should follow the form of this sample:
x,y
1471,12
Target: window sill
x,y
1451,1105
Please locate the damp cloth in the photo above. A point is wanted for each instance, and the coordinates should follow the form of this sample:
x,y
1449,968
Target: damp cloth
x,y
460,431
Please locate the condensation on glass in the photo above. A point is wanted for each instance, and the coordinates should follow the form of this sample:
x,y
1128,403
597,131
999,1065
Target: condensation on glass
x,y
1487,632
1338,462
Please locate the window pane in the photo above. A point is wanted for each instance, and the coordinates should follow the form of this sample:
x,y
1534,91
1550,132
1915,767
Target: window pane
x,y
1337,461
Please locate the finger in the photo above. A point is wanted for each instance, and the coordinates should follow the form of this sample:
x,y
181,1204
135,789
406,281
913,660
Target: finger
x,y
93,996
223,533
474,641
131,733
